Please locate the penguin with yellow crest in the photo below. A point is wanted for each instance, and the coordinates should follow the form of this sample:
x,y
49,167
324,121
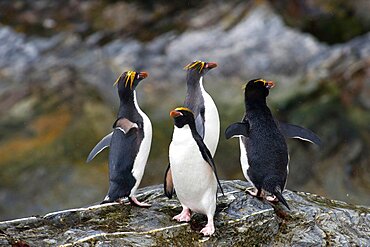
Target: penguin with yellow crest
x,y
263,150
129,143
207,120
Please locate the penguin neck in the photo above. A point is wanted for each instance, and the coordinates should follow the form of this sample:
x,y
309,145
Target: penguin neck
x,y
128,107
194,82
249,105
255,101
195,90
189,126
257,108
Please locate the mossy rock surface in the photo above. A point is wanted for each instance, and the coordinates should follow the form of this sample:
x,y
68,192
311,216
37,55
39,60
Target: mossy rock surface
x,y
240,221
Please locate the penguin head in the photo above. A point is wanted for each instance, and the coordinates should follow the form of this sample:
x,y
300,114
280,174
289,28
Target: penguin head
x,y
258,89
128,81
199,68
182,116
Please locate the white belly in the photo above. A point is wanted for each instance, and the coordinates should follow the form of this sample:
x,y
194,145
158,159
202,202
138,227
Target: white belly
x,y
244,159
144,150
193,178
211,122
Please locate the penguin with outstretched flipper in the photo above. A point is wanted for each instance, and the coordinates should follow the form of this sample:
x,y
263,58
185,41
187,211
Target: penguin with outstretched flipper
x,y
263,149
129,143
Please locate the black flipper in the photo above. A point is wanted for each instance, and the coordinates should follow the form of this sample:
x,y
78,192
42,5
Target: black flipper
x,y
105,142
168,183
295,131
237,129
122,124
206,154
210,161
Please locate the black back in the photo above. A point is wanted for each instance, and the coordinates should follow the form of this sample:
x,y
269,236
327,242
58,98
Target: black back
x,y
122,154
265,145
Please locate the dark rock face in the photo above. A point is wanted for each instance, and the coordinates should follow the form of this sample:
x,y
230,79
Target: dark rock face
x,y
240,221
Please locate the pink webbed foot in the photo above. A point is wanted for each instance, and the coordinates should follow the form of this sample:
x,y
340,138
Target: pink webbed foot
x,y
272,199
209,229
134,201
184,216
254,192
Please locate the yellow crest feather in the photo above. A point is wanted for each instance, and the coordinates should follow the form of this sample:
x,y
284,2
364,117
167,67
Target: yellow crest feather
x,y
195,65
119,77
184,109
258,80
129,77
261,80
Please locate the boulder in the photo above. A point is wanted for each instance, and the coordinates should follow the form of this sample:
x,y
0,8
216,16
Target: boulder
x,y
240,220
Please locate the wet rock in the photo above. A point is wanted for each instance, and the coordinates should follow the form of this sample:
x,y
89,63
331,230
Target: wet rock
x,y
240,220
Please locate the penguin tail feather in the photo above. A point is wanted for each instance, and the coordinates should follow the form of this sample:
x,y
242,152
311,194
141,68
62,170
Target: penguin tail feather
x,y
273,184
110,198
279,196
122,200
168,193
168,183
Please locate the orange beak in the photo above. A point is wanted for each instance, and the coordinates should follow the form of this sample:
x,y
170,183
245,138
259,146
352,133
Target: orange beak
x,y
270,84
211,65
143,75
175,113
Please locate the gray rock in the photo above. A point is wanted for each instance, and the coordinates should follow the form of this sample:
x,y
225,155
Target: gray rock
x,y
15,52
259,44
240,221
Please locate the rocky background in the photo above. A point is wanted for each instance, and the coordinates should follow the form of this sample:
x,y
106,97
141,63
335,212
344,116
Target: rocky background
x,y
59,59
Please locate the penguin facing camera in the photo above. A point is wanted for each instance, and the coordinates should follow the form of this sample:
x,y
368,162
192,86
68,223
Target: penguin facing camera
x,y
129,143
207,121
195,180
263,150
